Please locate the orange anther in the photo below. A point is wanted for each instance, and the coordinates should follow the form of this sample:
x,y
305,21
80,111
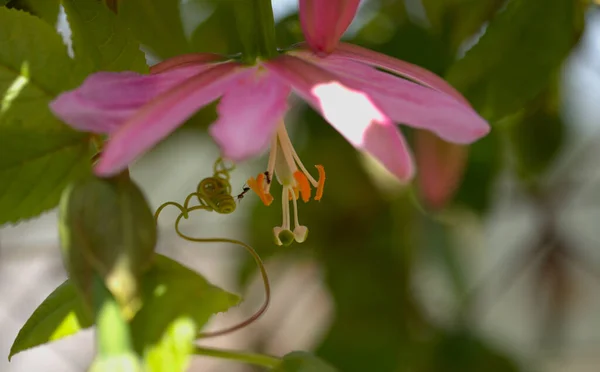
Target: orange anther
x,y
303,185
257,185
321,184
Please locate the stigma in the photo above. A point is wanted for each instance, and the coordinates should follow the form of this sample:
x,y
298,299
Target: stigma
x,y
297,183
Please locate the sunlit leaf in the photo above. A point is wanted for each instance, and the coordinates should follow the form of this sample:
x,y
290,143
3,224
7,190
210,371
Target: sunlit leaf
x,y
522,46
174,350
39,155
172,291
172,295
300,361
101,39
113,336
60,315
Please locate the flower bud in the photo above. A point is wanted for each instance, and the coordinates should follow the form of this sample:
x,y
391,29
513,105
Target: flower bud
x,y
325,21
107,229
441,166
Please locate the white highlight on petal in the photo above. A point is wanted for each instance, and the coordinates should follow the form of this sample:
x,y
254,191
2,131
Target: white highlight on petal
x,y
359,115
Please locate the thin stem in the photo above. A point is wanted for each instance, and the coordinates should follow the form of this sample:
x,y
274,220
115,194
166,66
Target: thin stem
x,y
285,206
295,204
240,356
263,273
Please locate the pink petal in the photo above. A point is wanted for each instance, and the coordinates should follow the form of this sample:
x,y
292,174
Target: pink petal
x,y
349,111
441,166
412,104
161,116
413,72
249,113
325,21
106,100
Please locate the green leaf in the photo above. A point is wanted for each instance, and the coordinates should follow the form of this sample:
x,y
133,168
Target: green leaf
x,y
61,314
157,24
101,39
215,34
300,361
45,9
521,48
3,2
39,155
174,351
172,291
107,229
113,336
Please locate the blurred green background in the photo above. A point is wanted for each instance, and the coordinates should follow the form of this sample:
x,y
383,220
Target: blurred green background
x,y
503,274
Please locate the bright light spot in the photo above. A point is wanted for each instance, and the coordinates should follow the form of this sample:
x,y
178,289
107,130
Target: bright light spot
x,y
160,290
15,88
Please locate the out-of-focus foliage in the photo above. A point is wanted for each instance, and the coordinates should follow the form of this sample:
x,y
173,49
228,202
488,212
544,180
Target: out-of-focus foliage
x,y
101,40
302,362
45,9
518,52
533,157
157,24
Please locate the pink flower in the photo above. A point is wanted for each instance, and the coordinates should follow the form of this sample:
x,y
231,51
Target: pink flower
x,y
358,100
325,21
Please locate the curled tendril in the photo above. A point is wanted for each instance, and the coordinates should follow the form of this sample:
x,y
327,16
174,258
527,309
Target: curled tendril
x,y
214,194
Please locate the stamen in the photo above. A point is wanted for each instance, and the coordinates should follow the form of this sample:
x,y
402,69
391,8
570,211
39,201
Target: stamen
x,y
294,194
297,158
285,204
286,147
257,185
303,185
321,184
295,204
271,163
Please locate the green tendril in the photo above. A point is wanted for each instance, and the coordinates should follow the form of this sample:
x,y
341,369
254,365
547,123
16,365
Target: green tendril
x,y
214,194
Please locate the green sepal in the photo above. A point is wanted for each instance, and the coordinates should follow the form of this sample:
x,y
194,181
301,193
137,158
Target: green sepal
x,y
256,29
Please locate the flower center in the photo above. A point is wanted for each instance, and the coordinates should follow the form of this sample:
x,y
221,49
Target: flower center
x,y
285,166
